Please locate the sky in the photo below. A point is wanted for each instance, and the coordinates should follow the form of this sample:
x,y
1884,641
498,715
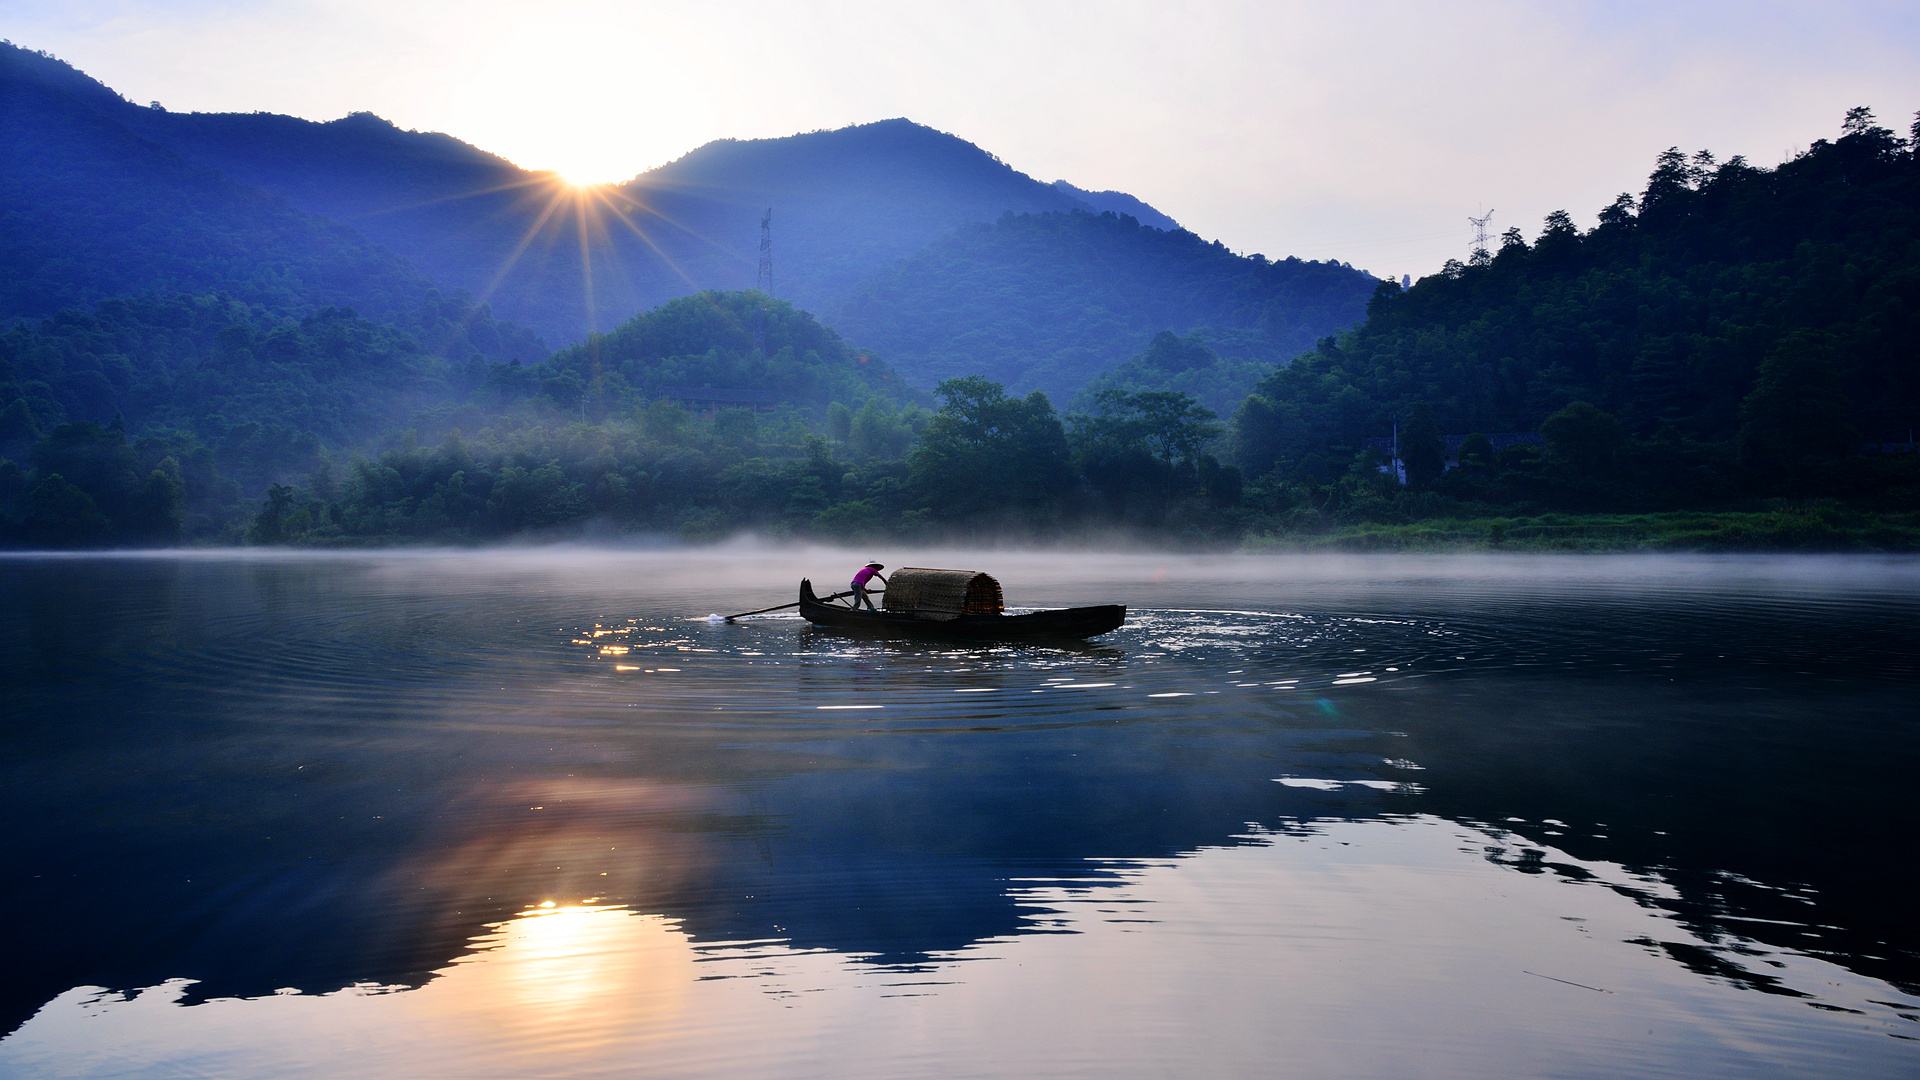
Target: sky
x,y
1360,132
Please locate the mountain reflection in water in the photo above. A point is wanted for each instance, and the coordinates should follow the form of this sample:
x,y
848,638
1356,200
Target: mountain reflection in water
x,y
515,812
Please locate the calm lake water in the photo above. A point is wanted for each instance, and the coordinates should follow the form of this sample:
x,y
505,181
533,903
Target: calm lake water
x,y
529,813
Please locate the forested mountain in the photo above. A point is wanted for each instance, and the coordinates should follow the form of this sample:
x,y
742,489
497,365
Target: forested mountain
x,y
153,418
1049,301
845,203
146,420
317,201
1730,330
197,311
90,208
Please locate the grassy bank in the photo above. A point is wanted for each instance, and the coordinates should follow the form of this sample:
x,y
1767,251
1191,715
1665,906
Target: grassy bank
x,y
1820,527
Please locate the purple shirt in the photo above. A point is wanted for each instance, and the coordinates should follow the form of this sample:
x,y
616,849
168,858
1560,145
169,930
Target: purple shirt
x,y
864,575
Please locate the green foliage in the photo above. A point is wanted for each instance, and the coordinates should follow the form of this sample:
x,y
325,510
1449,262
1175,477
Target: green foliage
x,y
1143,454
985,461
231,401
989,459
1422,449
736,342
58,514
264,387
91,487
1476,452
222,398
1817,526
1732,331
1725,338
1796,422
1171,427
1187,365
1582,439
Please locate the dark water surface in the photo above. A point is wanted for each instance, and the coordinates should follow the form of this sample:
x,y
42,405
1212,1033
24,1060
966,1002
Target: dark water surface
x,y
519,814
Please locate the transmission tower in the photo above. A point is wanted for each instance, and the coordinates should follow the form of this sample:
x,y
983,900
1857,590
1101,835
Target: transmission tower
x,y
1480,229
764,280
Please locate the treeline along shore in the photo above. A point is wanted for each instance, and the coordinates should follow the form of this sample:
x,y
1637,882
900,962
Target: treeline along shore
x,y
1729,359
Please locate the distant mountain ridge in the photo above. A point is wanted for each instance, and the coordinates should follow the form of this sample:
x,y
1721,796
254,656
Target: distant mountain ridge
x,y
846,202
1053,301
358,212
1119,202
92,209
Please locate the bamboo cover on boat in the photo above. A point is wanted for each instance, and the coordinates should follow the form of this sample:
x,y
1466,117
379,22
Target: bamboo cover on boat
x,y
947,593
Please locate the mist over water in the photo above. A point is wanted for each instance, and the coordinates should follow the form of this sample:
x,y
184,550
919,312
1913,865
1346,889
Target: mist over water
x,y
529,811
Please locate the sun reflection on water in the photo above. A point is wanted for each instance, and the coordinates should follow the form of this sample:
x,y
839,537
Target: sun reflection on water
x,y
560,958
574,975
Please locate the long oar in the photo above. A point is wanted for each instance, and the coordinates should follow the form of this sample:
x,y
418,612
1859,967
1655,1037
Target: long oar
x,y
783,607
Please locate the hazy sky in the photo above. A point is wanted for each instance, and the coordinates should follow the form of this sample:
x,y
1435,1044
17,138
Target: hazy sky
x,y
1365,132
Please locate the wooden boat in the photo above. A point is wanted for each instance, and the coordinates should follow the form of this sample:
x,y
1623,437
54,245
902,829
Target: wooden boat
x,y
966,604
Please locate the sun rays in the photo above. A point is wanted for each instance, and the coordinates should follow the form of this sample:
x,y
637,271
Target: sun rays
x,y
560,212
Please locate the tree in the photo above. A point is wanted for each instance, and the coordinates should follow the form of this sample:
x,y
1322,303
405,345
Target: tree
x,y
273,524
58,514
1476,452
160,504
1583,441
1701,169
1423,449
1146,443
1384,294
1671,178
1222,484
18,427
1863,137
985,455
1257,435
1793,425
1618,213
879,432
1169,352
1558,240
1172,426
536,498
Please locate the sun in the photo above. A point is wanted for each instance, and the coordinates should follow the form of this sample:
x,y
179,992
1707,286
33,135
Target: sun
x,y
590,167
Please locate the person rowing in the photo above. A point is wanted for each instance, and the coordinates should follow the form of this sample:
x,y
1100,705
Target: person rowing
x,y
860,578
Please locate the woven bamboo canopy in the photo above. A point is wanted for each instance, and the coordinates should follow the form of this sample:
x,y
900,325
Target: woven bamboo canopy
x,y
942,593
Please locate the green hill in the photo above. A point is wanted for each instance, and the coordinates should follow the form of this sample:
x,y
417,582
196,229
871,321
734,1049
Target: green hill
x,y
716,349
155,419
1729,330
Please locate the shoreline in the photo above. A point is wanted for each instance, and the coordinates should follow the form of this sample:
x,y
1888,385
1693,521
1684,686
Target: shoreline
x,y
1759,533
1813,531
